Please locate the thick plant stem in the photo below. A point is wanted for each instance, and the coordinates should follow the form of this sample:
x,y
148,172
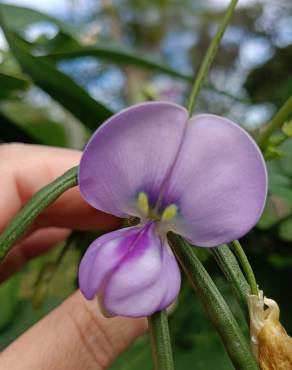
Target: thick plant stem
x,y
232,271
217,309
276,123
209,57
160,341
241,256
41,200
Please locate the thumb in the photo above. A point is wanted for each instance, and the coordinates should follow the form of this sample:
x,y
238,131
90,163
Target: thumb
x,y
75,336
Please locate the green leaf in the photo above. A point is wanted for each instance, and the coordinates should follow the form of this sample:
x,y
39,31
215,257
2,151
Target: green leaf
x,y
287,128
11,84
280,174
10,131
19,17
58,85
137,356
278,69
25,318
271,217
60,43
118,56
9,299
285,230
48,132
36,121
272,152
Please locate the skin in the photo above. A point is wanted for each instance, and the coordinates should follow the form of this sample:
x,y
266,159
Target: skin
x,y
75,335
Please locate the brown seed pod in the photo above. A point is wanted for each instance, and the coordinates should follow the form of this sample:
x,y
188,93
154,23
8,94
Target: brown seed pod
x,y
270,342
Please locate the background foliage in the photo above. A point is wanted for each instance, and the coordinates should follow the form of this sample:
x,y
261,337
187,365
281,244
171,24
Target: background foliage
x,y
60,77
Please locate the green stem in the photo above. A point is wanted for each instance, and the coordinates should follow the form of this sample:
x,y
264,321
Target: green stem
x,y
215,305
209,57
41,200
245,266
276,123
232,271
160,341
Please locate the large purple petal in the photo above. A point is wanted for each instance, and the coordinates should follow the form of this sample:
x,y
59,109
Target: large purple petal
x,y
132,152
102,256
146,281
219,182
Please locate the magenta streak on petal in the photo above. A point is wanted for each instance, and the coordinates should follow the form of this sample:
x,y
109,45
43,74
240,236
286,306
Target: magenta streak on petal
x,y
138,245
148,278
209,167
102,256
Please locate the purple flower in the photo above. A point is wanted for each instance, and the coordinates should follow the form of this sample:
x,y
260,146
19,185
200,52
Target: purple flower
x,y
202,177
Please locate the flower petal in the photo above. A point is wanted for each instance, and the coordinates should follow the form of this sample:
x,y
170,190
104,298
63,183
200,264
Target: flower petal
x,y
146,281
102,256
132,152
219,182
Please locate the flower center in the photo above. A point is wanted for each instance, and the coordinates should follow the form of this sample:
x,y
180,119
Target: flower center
x,y
167,214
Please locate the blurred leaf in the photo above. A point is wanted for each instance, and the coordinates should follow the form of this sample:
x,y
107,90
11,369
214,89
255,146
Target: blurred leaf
x,y
280,184
60,43
19,17
137,356
280,174
48,132
67,48
9,299
192,346
42,284
279,70
118,56
10,131
272,152
285,229
287,128
11,84
22,122
59,86
280,262
275,211
25,318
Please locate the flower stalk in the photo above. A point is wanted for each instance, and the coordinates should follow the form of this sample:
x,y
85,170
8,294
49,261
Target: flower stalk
x,y
249,274
276,122
160,341
41,200
233,273
215,305
209,57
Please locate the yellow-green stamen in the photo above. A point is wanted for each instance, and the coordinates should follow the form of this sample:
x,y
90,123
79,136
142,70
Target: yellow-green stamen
x,y
169,212
143,202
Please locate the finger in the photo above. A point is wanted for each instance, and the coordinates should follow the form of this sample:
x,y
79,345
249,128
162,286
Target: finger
x,y
74,336
37,243
24,169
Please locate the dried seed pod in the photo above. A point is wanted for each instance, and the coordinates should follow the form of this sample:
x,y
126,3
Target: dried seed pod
x,y
271,344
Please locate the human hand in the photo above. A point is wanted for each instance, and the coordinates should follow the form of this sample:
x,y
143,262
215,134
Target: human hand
x,y
75,335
